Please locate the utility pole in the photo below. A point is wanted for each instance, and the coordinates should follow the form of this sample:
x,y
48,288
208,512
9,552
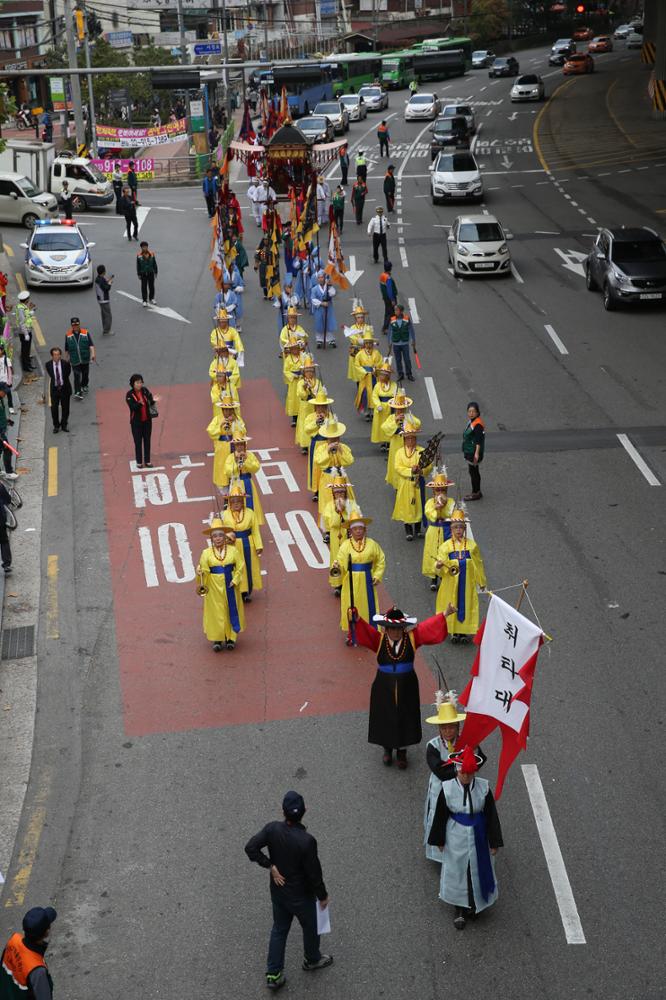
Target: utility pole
x,y
74,82
266,27
91,93
227,91
181,28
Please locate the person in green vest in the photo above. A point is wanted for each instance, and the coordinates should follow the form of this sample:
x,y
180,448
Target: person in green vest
x,y
146,270
400,333
24,314
79,351
473,446
362,166
338,206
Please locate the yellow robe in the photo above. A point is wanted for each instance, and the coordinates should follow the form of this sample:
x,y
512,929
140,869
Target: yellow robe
x,y
393,433
231,365
355,345
297,332
434,535
326,460
336,525
231,337
292,368
216,391
460,592
251,464
217,623
366,362
249,546
219,431
408,506
365,594
380,410
305,391
311,431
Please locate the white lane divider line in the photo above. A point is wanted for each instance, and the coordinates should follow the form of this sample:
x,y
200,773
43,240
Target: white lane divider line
x,y
403,257
432,396
555,339
516,274
638,460
413,311
573,929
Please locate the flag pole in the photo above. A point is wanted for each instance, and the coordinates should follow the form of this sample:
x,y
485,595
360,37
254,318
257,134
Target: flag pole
x,y
523,591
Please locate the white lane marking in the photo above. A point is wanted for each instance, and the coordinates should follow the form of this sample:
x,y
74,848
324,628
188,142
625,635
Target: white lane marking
x,y
403,257
432,396
413,311
361,138
161,310
166,208
573,929
555,339
489,112
624,171
475,139
514,272
483,88
606,174
638,459
592,222
546,232
421,196
141,215
486,173
574,203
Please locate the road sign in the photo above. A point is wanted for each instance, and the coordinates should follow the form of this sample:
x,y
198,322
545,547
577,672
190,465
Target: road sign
x,y
208,49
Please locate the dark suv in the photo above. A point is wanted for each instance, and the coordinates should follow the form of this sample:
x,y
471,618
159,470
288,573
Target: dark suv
x,y
629,265
449,133
504,66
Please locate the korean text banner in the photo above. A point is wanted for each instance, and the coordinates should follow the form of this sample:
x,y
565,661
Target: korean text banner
x,y
144,168
109,135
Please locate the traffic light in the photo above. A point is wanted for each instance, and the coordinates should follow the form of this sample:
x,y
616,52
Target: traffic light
x,y
580,8
80,24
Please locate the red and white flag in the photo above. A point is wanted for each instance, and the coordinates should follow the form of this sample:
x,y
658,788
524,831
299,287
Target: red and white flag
x,y
500,688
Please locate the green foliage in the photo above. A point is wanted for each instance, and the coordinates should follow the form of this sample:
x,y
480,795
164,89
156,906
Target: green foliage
x,y
488,20
139,84
7,109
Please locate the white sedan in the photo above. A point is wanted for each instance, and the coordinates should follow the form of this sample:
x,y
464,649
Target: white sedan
x,y
355,105
57,254
528,87
477,245
422,106
375,97
455,176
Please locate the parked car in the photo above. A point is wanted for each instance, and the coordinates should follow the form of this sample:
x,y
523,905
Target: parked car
x,y
23,203
317,128
602,43
622,31
355,106
477,245
560,50
455,176
504,66
465,110
583,34
634,40
422,105
375,97
337,114
482,58
57,254
628,265
528,87
449,133
577,63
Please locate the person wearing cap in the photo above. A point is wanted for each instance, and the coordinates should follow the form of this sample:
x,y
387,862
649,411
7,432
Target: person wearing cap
x,y
400,335
288,251
362,558
383,138
220,430
79,351
344,164
292,328
338,206
5,421
307,388
223,383
140,402
367,360
234,278
323,199
335,522
241,464
127,208
438,511
383,392
394,722
312,425
466,828
389,188
261,258
410,494
447,718
330,455
253,198
359,193
292,369
296,885
361,166
473,443
378,227
23,971
393,429
461,568
389,293
240,519
223,332
226,299
219,577
146,272
282,303
323,310
24,316
354,335
103,295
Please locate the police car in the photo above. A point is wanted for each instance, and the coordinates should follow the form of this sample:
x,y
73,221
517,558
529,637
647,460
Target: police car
x,y
57,254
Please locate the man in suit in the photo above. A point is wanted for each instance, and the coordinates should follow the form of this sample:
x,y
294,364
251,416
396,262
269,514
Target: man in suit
x,y
60,389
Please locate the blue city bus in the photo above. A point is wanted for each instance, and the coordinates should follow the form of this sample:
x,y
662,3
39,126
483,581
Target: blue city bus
x,y
306,86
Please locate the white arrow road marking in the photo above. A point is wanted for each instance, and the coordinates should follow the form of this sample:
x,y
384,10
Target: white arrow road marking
x,y
351,274
512,117
572,260
413,311
162,310
506,162
142,215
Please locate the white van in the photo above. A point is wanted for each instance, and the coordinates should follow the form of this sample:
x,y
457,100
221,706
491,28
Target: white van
x,y
22,203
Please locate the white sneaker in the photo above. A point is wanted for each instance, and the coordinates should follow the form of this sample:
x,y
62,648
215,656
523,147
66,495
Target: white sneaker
x,y
12,410
152,302
145,305
10,475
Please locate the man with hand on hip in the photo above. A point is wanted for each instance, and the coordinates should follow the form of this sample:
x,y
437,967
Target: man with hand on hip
x,y
377,228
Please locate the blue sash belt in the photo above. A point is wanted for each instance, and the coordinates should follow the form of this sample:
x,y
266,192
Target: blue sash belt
x,y
247,553
446,527
395,668
225,437
424,519
462,581
314,440
227,572
249,489
366,568
486,876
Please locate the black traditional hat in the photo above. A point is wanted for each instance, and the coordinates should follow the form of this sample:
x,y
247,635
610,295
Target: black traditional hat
x,y
395,618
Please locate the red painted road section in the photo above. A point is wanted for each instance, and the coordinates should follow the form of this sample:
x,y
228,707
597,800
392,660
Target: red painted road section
x,y
292,651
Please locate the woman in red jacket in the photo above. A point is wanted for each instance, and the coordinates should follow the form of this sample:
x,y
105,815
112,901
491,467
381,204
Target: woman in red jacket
x,y
141,403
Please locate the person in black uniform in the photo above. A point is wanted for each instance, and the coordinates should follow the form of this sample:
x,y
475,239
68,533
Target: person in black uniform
x,y
296,881
60,389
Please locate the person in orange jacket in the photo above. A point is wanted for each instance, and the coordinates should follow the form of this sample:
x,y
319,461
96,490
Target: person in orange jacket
x,y
23,971
384,138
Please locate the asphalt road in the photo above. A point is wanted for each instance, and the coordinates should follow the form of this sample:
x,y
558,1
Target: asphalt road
x,y
141,832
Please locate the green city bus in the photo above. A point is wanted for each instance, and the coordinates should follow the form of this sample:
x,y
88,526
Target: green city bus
x,y
397,69
444,45
349,76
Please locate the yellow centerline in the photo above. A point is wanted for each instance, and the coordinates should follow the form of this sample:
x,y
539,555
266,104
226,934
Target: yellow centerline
x,y
26,858
8,250
38,332
537,122
53,473
52,629
20,282
614,117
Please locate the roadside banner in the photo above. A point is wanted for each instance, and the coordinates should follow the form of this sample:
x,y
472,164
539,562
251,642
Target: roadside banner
x,y
109,135
145,168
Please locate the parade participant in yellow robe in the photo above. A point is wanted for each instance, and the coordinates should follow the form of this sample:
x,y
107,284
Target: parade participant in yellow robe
x,y
219,430
292,369
438,510
365,559
241,464
240,519
223,386
335,522
225,358
410,494
307,388
354,334
311,428
219,575
292,329
392,427
366,361
461,568
383,392
331,454
223,333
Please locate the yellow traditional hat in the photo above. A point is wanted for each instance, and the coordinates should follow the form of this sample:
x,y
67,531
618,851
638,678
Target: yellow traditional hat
x,y
355,516
322,398
238,433
358,310
385,368
458,516
237,490
292,311
215,525
400,401
339,481
332,427
440,480
222,314
293,342
411,424
447,712
308,362
369,335
227,401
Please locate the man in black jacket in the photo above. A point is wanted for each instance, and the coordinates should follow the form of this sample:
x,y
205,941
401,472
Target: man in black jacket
x,y
60,389
296,885
128,209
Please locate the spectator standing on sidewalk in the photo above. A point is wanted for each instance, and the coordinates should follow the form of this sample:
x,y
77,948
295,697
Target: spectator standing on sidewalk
x,y
24,313
389,188
383,137
473,442
389,290
117,182
210,185
79,351
103,293
133,183
146,269
23,971
378,228
66,199
60,390
296,883
401,334
5,547
6,376
6,453
128,209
